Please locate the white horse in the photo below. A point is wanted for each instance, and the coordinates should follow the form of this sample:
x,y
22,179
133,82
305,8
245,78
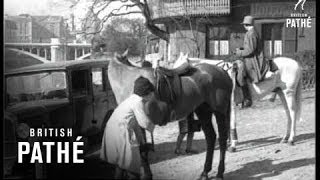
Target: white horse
x,y
287,83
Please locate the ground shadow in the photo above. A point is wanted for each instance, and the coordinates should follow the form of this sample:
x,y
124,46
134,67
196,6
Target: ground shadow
x,y
91,168
271,140
165,151
265,168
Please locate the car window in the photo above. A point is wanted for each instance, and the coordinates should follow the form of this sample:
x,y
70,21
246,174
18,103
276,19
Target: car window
x,y
79,80
36,86
97,83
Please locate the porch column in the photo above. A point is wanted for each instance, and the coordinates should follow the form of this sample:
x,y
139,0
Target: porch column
x,y
56,52
82,51
75,53
45,53
38,51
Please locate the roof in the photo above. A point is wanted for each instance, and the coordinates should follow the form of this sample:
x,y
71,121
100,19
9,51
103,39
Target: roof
x,y
62,65
47,18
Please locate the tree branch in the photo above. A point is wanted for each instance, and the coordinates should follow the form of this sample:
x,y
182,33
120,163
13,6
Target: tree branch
x,y
149,22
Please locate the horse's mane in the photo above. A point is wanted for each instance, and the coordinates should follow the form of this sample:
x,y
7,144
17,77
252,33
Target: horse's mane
x,y
125,61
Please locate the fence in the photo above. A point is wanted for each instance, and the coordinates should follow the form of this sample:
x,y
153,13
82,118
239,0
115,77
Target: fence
x,y
307,59
308,78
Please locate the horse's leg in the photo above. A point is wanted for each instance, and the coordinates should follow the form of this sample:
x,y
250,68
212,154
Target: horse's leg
x,y
285,105
233,131
223,121
291,102
298,102
204,114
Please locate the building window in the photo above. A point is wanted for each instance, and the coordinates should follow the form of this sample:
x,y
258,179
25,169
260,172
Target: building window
x,y
153,46
272,39
218,41
290,40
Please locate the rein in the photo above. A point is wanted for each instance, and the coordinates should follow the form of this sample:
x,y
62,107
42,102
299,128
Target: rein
x,y
224,64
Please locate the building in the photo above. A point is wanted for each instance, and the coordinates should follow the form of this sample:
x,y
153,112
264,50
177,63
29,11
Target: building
x,y
39,29
10,31
23,31
211,28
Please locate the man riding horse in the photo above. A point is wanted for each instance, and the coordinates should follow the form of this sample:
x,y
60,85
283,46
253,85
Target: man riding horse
x,y
256,66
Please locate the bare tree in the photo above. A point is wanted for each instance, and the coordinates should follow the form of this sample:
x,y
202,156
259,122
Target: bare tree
x,y
98,17
102,11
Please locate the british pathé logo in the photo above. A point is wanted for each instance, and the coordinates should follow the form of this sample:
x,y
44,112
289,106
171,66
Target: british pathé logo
x,y
299,19
301,3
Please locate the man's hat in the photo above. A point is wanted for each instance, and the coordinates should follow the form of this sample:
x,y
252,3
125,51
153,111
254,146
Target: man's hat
x,y
248,20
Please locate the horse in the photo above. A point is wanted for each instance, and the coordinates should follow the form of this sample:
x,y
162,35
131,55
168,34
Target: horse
x,y
205,90
287,84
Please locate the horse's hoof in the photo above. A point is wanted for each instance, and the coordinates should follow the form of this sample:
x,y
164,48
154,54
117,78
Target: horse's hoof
x,y
203,176
290,143
283,141
232,149
219,177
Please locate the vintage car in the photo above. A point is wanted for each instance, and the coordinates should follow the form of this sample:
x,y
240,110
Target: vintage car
x,y
69,94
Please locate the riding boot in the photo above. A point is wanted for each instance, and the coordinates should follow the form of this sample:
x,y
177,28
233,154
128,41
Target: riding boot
x,y
247,102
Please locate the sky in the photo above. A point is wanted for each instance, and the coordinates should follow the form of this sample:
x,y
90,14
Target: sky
x,y
34,7
45,7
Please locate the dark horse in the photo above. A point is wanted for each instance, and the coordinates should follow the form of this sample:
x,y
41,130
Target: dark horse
x,y
206,90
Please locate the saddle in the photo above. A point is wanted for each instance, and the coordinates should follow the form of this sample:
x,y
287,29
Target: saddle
x,y
168,82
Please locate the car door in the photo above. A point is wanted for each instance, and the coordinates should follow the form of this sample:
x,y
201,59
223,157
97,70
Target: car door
x,y
82,100
102,104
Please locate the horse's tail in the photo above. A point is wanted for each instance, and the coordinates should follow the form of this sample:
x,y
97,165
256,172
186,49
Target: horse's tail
x,y
298,99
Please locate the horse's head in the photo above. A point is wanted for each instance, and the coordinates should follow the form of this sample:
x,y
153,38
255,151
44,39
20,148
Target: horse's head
x,y
182,59
122,58
159,112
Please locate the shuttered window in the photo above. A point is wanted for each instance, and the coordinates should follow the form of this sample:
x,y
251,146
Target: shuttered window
x,y
272,39
218,41
290,40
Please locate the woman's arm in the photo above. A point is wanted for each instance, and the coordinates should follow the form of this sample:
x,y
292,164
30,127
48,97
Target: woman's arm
x,y
142,118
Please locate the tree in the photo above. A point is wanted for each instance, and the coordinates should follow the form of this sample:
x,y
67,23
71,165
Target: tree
x,y
106,10
124,33
102,11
